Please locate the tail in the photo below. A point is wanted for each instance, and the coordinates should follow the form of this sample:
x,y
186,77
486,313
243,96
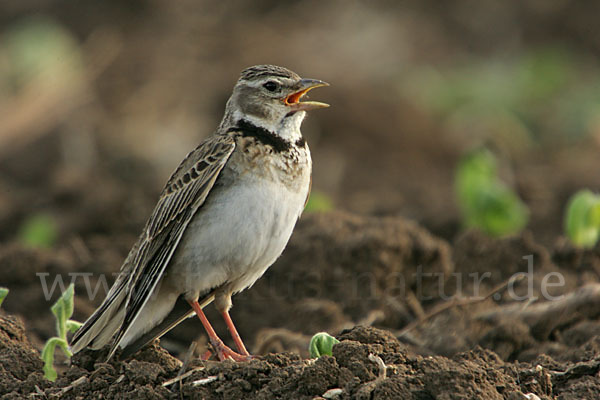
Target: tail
x,y
108,319
180,312
102,325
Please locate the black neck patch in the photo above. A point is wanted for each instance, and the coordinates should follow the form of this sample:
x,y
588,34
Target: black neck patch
x,y
248,129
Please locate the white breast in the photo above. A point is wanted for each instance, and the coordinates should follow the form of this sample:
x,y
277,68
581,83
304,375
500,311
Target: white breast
x,y
237,234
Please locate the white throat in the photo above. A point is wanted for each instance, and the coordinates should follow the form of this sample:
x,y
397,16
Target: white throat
x,y
288,128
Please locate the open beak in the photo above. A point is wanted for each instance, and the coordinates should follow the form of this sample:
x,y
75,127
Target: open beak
x,y
293,100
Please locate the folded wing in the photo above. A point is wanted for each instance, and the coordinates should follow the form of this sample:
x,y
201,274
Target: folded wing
x,y
184,194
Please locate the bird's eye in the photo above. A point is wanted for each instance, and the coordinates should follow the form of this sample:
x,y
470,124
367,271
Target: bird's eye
x,y
271,86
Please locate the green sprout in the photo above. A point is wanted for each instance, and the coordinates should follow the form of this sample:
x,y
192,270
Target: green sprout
x,y
321,344
3,294
62,310
485,201
582,219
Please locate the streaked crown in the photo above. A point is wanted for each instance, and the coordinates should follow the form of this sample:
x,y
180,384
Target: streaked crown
x,y
258,72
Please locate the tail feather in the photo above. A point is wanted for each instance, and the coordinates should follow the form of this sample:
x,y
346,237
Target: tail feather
x,y
180,312
105,335
100,327
107,320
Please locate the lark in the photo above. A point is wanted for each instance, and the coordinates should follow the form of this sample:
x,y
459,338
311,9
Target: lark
x,y
225,215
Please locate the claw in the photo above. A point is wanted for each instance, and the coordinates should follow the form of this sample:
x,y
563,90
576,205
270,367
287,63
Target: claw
x,y
226,353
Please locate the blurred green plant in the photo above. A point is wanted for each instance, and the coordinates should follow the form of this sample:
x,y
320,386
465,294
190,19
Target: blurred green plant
x,y
3,293
485,201
321,344
318,202
62,310
582,219
38,230
535,96
39,47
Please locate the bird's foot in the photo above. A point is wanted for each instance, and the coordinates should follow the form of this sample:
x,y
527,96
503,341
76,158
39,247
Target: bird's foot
x,y
226,353
206,355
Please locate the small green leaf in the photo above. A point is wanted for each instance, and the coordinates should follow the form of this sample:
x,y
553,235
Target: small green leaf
x,y
321,344
62,310
582,219
3,294
485,201
48,356
73,326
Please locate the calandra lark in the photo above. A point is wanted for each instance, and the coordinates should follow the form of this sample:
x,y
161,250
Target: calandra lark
x,y
223,218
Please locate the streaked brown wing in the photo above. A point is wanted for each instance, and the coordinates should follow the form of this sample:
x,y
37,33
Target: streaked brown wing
x,y
184,194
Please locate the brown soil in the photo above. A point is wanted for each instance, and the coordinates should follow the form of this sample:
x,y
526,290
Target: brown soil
x,y
352,372
341,270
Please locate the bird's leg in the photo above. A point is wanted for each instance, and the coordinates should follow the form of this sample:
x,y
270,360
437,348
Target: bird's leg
x,y
223,352
234,333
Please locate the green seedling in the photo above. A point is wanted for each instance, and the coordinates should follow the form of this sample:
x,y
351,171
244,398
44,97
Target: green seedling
x,y
62,310
3,294
582,219
321,344
485,201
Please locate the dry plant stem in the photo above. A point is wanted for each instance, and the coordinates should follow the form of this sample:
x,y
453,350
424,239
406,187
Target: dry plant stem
x,y
544,317
584,368
382,367
39,391
181,377
186,361
188,357
578,370
458,302
77,382
415,305
205,381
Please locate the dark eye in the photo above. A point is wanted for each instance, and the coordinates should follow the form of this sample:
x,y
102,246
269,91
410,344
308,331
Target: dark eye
x,y
271,86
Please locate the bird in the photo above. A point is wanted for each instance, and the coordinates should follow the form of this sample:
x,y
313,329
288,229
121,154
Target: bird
x,y
223,218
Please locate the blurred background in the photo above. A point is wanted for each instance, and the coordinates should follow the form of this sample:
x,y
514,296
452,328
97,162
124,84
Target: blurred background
x,y
100,100
122,90
109,96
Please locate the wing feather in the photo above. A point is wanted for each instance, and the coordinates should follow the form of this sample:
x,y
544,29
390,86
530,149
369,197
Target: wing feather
x,y
181,199
184,193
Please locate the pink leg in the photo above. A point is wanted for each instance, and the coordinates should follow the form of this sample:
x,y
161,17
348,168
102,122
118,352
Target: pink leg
x,y
234,333
223,352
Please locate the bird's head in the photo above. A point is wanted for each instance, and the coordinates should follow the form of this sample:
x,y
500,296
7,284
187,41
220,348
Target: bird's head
x,y
269,96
